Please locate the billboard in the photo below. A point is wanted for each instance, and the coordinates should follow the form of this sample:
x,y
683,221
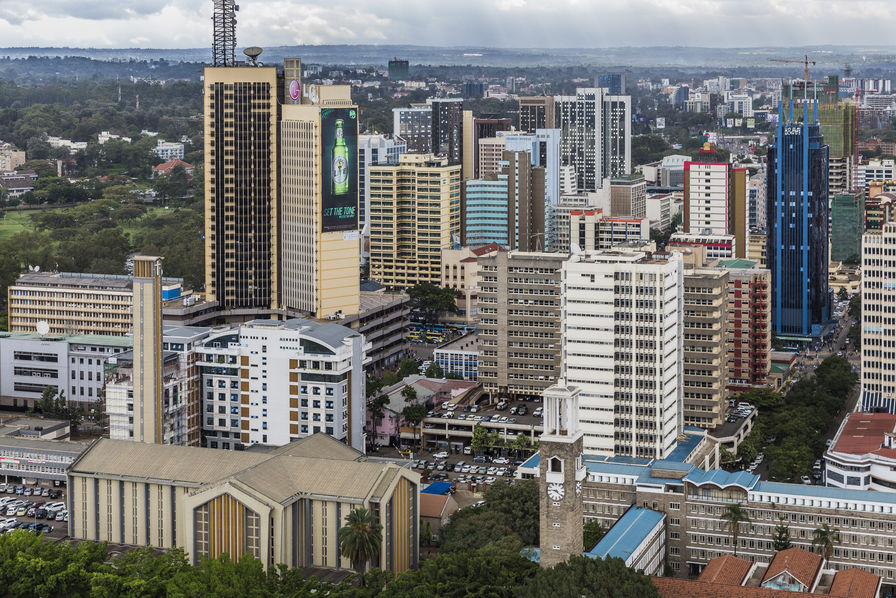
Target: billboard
x,y
660,123
339,166
751,123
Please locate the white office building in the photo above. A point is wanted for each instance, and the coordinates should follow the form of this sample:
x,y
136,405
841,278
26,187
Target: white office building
x,y
622,336
878,323
374,149
270,382
544,148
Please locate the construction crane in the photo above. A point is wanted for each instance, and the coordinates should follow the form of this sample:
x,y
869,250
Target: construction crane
x,y
805,62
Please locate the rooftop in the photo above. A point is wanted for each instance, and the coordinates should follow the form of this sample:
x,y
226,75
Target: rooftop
x,y
675,587
738,263
802,565
722,478
80,339
855,583
122,282
863,433
726,569
825,492
627,534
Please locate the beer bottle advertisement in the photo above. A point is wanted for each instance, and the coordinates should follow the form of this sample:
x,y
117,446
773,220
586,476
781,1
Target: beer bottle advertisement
x,y
339,163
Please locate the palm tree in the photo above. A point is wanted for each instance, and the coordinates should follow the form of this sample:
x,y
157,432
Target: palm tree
x,y
824,538
360,539
732,517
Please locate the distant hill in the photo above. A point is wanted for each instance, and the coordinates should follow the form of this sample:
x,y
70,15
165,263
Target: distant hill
x,y
860,57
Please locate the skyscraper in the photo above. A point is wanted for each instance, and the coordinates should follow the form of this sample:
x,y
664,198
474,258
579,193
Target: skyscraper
x,y
241,187
536,113
414,125
148,385
320,242
878,298
447,128
797,246
374,149
595,135
614,83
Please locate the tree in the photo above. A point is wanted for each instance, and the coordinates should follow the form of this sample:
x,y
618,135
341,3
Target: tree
x,y
781,537
584,576
592,532
52,404
843,294
409,393
480,438
360,539
824,538
414,415
732,517
427,301
434,370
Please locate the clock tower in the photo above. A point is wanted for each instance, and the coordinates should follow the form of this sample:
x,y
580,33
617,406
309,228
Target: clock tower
x,y
561,475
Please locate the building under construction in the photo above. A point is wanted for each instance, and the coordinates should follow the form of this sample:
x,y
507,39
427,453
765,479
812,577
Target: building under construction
x,y
847,226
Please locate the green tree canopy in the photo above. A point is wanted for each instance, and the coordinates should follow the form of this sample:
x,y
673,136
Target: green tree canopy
x,y
584,576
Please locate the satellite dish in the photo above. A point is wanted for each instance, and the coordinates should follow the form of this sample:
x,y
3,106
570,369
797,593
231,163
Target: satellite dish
x,y
43,327
253,52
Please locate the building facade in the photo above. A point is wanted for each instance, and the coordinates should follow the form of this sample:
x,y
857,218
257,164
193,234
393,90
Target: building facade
x,y
414,212
797,246
847,226
414,125
749,324
628,196
241,187
878,295
283,507
536,113
589,230
374,149
447,129
622,341
519,323
271,382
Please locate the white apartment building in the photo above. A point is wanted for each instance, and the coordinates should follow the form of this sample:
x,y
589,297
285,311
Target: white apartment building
x,y
875,170
878,320
271,382
622,333
706,198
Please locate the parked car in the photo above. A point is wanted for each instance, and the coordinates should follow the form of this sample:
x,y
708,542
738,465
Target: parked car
x,y
479,459
441,455
501,461
805,479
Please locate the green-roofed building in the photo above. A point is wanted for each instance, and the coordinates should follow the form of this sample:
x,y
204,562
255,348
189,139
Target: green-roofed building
x,y
847,226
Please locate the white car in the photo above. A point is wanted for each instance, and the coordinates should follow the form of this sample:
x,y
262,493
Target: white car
x,y
805,479
490,480
441,455
501,461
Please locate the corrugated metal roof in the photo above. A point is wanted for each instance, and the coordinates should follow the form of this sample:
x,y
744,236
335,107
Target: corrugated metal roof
x,y
627,534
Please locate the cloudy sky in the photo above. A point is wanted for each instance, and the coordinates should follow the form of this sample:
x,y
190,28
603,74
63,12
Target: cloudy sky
x,y
508,23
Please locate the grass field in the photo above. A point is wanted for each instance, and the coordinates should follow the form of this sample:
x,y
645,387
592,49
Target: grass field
x,y
14,222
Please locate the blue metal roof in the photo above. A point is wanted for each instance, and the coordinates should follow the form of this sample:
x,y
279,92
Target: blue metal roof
x,y
825,492
722,478
693,437
614,468
437,488
533,461
670,465
626,534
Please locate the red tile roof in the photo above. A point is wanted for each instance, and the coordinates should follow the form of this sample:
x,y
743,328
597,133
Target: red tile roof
x,y
801,564
726,569
863,433
170,164
855,583
433,505
672,587
490,248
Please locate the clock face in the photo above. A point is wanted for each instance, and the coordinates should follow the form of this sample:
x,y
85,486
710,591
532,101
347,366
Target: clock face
x,y
578,488
556,491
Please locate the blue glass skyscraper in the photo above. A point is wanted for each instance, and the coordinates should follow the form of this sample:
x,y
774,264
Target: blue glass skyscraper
x,y
797,242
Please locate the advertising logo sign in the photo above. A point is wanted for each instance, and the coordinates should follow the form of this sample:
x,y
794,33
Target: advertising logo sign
x,y
660,123
751,123
339,165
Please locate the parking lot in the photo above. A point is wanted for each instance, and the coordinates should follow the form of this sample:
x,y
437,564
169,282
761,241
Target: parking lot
x,y
475,473
38,507
450,427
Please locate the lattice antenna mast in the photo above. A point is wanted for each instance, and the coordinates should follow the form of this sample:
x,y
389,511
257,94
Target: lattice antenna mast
x,y
224,32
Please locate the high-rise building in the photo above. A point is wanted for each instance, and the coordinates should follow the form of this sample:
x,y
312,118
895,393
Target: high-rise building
x,y
544,147
414,213
756,252
519,323
595,135
622,336
270,382
797,246
715,199
614,83
399,70
536,113
447,128
486,218
749,324
482,128
756,197
558,220
878,298
489,151
628,196
847,226
705,344
319,238
148,384
241,187
414,125
374,149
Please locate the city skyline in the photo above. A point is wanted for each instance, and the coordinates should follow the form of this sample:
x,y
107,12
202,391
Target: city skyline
x,y
502,23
